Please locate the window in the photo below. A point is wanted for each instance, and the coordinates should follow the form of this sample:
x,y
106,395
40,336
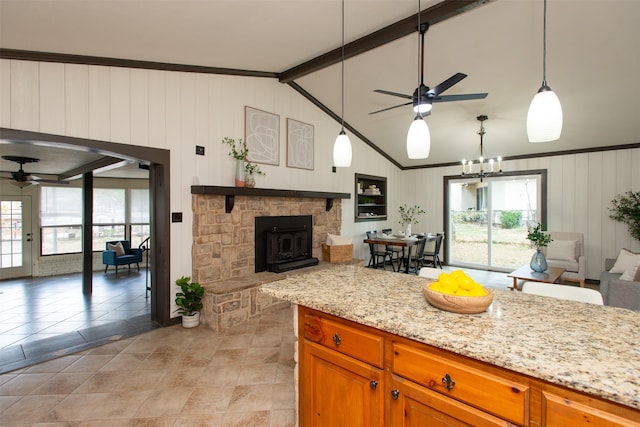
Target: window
x,y
115,217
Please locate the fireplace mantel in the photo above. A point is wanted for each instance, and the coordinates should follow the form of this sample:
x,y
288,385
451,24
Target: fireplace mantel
x,y
231,192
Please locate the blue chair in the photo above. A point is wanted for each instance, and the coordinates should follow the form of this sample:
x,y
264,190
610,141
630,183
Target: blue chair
x,y
127,256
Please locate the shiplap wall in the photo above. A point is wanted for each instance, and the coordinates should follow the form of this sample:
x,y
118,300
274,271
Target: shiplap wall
x,y
176,111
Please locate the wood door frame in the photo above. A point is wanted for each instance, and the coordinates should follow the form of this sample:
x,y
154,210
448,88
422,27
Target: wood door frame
x,y
159,194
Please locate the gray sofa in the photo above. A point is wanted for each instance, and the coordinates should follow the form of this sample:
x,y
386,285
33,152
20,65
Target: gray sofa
x,y
616,292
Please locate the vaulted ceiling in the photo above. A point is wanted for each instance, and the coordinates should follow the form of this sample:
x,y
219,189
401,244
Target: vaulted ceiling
x,y
593,59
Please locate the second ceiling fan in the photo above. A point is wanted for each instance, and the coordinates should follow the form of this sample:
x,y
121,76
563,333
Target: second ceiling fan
x,y
424,96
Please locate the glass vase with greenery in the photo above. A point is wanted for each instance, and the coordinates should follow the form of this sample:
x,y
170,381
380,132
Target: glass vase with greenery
x,y
626,209
239,151
409,216
538,237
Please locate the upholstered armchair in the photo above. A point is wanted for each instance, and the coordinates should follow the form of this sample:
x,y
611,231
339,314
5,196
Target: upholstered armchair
x,y
119,252
567,251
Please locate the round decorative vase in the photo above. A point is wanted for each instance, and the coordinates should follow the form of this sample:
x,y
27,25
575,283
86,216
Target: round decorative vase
x,y
538,262
191,321
240,175
250,181
407,232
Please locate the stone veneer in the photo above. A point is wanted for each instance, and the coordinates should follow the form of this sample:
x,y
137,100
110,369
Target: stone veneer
x,y
223,251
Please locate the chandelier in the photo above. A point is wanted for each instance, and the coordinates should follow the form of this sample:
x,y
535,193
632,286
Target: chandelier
x,y
485,167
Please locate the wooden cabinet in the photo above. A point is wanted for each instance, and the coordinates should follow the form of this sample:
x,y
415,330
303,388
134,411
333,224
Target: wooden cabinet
x,y
353,375
337,388
371,198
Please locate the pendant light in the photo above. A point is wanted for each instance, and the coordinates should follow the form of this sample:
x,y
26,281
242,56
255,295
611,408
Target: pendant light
x,y
544,119
418,136
342,147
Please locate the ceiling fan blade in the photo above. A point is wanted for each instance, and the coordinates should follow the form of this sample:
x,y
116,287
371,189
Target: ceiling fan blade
x,y
464,97
48,181
391,108
437,90
386,92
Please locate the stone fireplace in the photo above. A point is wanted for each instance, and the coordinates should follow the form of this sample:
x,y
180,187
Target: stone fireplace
x,y
224,243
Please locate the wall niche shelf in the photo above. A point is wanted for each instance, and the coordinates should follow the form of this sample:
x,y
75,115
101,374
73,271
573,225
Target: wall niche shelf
x,y
231,192
371,198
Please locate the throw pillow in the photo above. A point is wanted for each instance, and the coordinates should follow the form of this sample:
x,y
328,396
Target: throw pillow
x,y
117,247
333,239
562,249
626,260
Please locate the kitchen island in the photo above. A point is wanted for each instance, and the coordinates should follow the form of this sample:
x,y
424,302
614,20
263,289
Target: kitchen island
x,y
540,345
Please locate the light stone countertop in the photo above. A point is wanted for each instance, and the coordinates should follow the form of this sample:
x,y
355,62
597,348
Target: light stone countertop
x,y
585,347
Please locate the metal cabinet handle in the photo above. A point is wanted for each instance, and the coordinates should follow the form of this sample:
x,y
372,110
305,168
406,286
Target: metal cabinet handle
x,y
373,384
336,339
395,394
449,383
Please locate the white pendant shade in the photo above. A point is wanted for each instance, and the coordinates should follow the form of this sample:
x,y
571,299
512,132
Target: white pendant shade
x,y
423,108
418,139
544,119
342,151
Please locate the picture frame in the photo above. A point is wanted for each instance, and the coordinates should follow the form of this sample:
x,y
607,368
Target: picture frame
x,y
299,145
262,135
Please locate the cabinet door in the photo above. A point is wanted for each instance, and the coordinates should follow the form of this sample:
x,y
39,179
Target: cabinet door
x,y
416,406
337,390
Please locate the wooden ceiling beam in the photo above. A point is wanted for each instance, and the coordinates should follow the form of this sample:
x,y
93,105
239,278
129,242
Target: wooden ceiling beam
x,y
433,15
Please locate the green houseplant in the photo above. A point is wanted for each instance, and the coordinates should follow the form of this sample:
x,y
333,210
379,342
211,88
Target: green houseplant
x,y
409,216
189,301
239,151
540,239
626,209
250,170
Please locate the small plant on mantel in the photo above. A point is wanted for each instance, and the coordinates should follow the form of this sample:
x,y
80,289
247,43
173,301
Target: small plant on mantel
x,y
237,149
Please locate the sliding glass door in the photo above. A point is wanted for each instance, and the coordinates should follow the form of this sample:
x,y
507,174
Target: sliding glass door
x,y
487,220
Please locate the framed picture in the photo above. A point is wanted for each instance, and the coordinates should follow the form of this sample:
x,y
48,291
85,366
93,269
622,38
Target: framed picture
x,y
262,134
299,145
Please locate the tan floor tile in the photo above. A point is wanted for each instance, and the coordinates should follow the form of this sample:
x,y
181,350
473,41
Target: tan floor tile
x,y
282,418
6,401
164,402
7,377
54,366
210,420
144,380
208,400
98,406
219,376
285,373
23,384
125,362
243,419
89,363
246,398
283,396
258,374
103,382
185,377
151,422
62,383
31,409
114,347
262,355
267,340
228,356
55,424
162,360
236,341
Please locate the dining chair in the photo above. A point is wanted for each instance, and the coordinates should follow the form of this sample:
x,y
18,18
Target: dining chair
x,y
432,258
573,293
378,255
417,257
395,251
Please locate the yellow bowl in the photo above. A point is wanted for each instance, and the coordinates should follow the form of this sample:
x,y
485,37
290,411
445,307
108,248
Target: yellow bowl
x,y
458,303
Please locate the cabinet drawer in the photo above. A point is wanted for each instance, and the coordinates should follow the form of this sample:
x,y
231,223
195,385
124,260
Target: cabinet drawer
x,y
490,392
347,340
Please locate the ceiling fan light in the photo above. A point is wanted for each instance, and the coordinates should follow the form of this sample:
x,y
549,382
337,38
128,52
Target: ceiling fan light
x,y
544,119
20,184
342,151
423,108
418,139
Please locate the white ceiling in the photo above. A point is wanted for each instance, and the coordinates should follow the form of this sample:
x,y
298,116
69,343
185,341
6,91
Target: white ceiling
x,y
593,60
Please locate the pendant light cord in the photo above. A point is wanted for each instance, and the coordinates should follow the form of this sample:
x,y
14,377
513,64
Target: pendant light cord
x,y
419,59
544,45
342,118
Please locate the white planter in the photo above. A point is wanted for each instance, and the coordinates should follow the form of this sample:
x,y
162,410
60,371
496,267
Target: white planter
x,y
191,321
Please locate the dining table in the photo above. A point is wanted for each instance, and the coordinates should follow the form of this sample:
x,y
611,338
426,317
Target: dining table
x,y
402,242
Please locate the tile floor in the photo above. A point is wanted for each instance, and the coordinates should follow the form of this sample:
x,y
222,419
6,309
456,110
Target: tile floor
x,y
41,317
166,377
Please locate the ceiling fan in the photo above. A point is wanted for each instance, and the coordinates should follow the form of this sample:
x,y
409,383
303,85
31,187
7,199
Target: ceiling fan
x,y
424,96
23,178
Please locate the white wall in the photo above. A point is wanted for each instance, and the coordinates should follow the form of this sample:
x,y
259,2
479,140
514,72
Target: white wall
x,y
177,110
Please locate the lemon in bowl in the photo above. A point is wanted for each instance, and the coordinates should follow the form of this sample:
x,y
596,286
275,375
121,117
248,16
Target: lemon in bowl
x,y
458,293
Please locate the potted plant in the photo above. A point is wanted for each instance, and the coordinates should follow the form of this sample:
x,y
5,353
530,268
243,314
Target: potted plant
x,y
409,216
250,170
189,301
540,239
239,151
626,209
